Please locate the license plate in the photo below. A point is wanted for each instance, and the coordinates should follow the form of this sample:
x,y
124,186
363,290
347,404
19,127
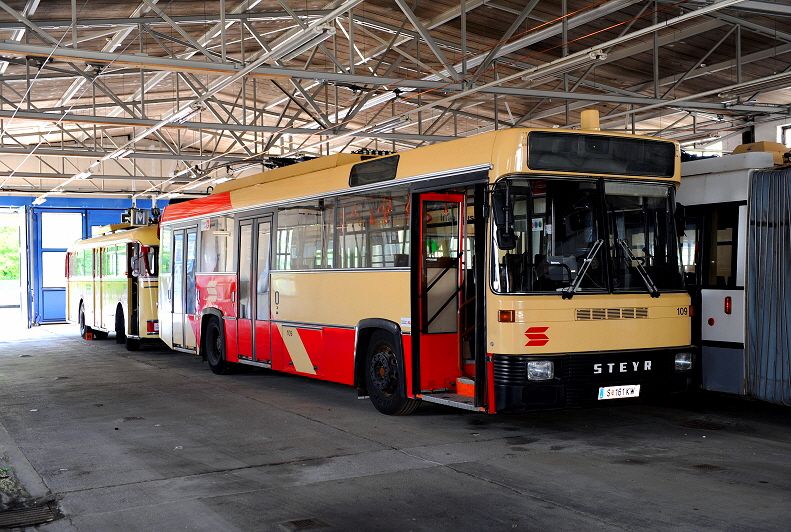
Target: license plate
x,y
619,392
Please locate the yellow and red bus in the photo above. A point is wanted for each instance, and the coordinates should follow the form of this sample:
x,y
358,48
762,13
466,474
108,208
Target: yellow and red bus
x,y
513,270
112,284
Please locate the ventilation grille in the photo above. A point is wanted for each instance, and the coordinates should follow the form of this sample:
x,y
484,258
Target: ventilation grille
x,y
585,314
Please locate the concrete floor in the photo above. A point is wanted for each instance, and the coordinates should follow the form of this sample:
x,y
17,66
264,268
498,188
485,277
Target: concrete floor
x,y
153,441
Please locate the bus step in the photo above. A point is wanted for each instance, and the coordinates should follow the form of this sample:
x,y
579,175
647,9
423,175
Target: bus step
x,y
465,387
451,399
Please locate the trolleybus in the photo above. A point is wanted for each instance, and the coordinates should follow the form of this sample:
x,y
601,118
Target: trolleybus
x,y
737,258
513,270
112,284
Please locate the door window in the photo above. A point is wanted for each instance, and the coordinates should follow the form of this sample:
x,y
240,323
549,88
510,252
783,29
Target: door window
x,y
262,282
245,260
191,254
178,272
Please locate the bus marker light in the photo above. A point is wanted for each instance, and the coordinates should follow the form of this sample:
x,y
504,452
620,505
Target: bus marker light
x,y
506,316
711,322
152,326
728,305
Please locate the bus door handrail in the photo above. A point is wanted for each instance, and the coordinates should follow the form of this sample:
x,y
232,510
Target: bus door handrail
x,y
424,294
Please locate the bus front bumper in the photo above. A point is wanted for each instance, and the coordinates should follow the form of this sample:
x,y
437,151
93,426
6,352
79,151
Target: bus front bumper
x,y
588,379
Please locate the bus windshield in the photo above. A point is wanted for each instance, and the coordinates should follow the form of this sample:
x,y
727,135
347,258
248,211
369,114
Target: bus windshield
x,y
616,236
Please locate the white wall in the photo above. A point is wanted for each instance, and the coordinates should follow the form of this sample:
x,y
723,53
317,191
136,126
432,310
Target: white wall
x,y
765,131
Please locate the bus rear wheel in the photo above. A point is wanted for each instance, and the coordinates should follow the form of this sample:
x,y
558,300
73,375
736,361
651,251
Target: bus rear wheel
x,y
214,348
384,377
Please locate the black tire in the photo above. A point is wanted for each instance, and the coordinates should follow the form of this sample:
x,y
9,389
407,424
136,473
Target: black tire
x,y
384,377
213,344
132,344
84,329
120,326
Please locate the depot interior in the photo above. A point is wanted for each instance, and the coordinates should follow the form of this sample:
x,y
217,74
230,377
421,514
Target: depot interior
x,y
138,104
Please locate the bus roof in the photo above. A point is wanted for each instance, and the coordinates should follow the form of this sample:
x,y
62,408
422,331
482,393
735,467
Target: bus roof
x,y
499,153
146,235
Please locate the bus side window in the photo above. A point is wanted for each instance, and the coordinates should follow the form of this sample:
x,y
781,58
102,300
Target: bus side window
x,y
720,255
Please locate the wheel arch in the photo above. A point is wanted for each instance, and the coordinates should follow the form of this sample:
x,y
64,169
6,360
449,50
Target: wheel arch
x,y
364,331
206,315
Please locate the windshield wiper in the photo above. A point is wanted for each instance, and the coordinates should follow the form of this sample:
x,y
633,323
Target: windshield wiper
x,y
649,284
569,292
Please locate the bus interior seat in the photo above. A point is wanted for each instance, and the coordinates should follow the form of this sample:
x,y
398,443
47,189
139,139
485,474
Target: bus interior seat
x,y
562,267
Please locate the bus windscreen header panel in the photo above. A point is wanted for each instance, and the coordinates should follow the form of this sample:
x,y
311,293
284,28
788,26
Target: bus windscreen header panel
x,y
600,154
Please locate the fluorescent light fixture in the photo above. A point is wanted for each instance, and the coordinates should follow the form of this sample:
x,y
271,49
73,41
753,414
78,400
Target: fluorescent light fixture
x,y
83,175
563,65
39,200
222,179
185,114
390,123
299,43
119,153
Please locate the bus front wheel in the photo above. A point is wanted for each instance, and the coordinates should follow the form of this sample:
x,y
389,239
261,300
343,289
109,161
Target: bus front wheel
x,y
384,377
120,326
84,329
214,347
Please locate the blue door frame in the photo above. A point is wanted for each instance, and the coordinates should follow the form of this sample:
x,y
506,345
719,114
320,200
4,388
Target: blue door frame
x,y
48,304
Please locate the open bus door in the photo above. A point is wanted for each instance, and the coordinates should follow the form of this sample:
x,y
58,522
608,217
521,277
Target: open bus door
x,y
441,374
184,296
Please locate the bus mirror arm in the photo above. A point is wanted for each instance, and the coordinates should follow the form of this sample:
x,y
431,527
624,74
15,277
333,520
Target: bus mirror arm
x,y
680,216
503,214
569,292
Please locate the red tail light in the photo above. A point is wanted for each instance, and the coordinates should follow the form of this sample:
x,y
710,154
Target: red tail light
x,y
152,326
692,311
728,305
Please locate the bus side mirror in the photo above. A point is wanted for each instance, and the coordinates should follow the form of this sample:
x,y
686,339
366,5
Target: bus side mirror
x,y
503,214
681,219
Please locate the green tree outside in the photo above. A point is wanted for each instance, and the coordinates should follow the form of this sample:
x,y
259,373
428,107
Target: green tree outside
x,y
9,253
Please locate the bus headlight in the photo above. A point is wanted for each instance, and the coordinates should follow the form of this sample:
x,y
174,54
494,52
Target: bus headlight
x,y
540,370
683,361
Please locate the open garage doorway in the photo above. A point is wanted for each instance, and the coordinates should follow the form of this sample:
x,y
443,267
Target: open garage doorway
x,y
12,263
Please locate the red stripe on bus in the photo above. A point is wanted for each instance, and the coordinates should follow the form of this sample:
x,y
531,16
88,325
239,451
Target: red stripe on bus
x,y
491,406
197,207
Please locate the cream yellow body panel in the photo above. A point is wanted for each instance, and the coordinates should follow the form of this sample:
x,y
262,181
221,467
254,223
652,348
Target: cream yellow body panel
x,y
340,297
145,235
589,323
288,172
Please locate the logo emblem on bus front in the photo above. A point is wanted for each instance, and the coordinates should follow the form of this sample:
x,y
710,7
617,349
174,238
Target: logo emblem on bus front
x,y
536,336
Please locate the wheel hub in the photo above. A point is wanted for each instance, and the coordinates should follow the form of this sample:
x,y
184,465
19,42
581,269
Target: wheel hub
x,y
383,371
